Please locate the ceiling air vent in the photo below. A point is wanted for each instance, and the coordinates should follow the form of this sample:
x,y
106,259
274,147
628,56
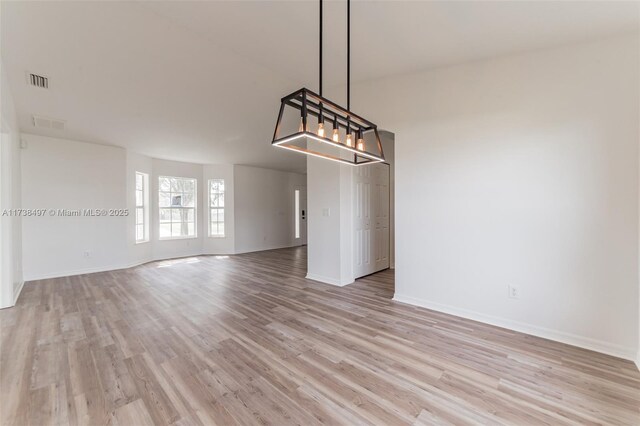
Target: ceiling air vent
x,y
48,123
38,80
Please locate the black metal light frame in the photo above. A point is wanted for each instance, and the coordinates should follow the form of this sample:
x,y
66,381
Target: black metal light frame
x,y
309,103
312,104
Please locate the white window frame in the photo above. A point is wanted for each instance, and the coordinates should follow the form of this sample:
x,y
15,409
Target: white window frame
x,y
194,208
144,197
217,208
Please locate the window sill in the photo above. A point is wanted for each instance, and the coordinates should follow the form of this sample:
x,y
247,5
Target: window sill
x,y
217,236
142,241
177,238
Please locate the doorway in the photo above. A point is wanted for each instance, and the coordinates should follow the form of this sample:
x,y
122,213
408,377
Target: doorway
x,y
300,216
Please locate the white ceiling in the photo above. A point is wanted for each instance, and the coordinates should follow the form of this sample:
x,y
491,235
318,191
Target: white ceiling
x,y
201,81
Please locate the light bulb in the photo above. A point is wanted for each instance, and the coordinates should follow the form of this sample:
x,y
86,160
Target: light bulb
x,y
360,143
336,135
321,130
349,141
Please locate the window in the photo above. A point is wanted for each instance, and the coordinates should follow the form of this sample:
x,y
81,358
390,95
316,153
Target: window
x,y
177,206
296,214
216,208
142,209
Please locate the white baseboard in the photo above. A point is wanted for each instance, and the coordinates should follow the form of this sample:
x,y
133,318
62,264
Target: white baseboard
x,y
327,280
94,270
546,333
16,293
267,248
155,258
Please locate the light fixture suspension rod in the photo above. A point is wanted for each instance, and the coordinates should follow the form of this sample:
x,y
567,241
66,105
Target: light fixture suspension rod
x,y
348,55
320,59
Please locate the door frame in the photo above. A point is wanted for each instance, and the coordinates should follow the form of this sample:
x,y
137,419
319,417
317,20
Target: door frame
x,y
301,213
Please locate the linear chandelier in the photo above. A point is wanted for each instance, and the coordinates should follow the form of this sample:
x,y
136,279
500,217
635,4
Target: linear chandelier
x,y
353,139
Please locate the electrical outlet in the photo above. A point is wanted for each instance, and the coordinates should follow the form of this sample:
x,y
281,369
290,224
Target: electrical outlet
x,y
514,292
86,254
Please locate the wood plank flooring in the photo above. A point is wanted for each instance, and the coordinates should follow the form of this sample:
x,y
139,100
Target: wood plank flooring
x,y
247,340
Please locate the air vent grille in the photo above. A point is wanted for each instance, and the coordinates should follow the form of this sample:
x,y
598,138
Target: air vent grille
x,y
48,123
39,81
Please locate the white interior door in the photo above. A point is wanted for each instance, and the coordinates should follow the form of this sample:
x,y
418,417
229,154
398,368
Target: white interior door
x,y
371,211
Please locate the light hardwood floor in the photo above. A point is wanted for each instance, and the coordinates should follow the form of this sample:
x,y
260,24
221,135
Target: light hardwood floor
x,y
247,340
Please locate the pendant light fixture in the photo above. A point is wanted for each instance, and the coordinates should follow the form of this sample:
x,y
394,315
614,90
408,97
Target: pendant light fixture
x,y
352,140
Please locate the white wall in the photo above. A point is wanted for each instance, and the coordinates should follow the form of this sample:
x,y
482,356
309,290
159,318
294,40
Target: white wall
x,y
521,171
10,198
63,174
264,208
326,202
